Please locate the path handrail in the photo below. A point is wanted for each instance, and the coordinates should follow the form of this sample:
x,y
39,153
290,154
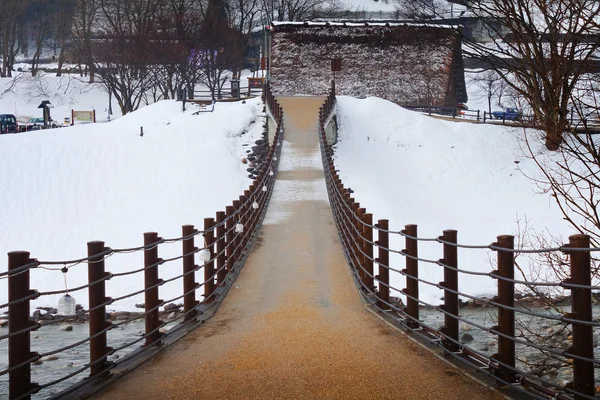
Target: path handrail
x,y
373,259
226,241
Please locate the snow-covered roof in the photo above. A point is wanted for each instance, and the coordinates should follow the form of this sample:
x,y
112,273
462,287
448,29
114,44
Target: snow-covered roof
x,y
276,24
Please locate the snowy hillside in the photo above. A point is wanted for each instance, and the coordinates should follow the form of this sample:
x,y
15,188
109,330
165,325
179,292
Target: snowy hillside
x,y
413,169
63,187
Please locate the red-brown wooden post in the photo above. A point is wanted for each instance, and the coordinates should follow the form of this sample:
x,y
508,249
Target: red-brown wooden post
x,y
581,310
242,220
189,266
209,267
506,317
221,268
412,274
151,284
248,220
236,241
383,260
450,285
99,351
368,248
19,345
230,237
358,242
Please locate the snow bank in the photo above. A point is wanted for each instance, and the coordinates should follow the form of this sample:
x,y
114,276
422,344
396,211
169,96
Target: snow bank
x,y
414,169
64,187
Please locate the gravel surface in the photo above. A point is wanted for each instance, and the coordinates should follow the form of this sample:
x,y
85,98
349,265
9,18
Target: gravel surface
x,y
293,325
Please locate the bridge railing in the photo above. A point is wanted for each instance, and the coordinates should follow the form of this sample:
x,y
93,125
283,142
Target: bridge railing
x,y
214,254
524,346
227,94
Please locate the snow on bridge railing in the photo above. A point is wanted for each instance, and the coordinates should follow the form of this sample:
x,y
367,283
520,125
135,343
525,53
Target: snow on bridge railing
x,y
226,242
538,347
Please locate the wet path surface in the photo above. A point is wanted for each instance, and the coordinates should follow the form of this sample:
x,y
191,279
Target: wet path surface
x,y
293,326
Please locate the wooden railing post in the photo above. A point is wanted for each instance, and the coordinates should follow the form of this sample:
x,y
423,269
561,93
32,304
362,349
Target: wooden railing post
x,y
221,268
189,278
236,237
412,274
230,236
151,284
242,220
209,267
248,218
99,351
354,216
367,229
506,317
581,309
450,285
19,345
383,259
359,242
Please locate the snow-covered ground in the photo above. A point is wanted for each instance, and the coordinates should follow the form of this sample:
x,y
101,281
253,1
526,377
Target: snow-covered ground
x,y
22,94
63,187
414,169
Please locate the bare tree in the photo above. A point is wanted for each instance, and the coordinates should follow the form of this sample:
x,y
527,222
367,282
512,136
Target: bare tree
x,y
11,18
84,20
421,9
492,85
291,10
541,48
39,20
123,49
221,47
62,24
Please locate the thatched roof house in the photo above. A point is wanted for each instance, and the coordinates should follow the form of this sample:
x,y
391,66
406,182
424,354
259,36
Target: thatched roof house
x,y
404,63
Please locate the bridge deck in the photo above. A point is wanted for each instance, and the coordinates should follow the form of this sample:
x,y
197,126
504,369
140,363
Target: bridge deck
x,y
293,325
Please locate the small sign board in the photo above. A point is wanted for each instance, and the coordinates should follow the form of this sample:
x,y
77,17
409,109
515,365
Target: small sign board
x,y
336,64
256,83
83,116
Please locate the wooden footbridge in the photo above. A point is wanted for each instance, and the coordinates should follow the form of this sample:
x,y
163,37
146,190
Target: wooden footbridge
x,y
309,316
293,326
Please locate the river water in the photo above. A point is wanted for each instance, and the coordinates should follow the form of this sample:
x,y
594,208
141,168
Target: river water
x,y
51,337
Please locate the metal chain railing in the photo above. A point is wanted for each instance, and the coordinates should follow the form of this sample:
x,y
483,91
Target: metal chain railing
x,y
367,250
228,238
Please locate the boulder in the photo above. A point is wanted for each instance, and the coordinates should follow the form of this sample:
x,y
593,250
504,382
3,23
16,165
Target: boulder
x,y
171,307
466,338
120,314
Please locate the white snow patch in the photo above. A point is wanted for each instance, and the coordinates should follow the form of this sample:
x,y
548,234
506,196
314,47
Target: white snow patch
x,y
413,169
65,187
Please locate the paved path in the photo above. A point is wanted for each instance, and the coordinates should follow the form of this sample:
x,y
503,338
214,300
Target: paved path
x,y
293,326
